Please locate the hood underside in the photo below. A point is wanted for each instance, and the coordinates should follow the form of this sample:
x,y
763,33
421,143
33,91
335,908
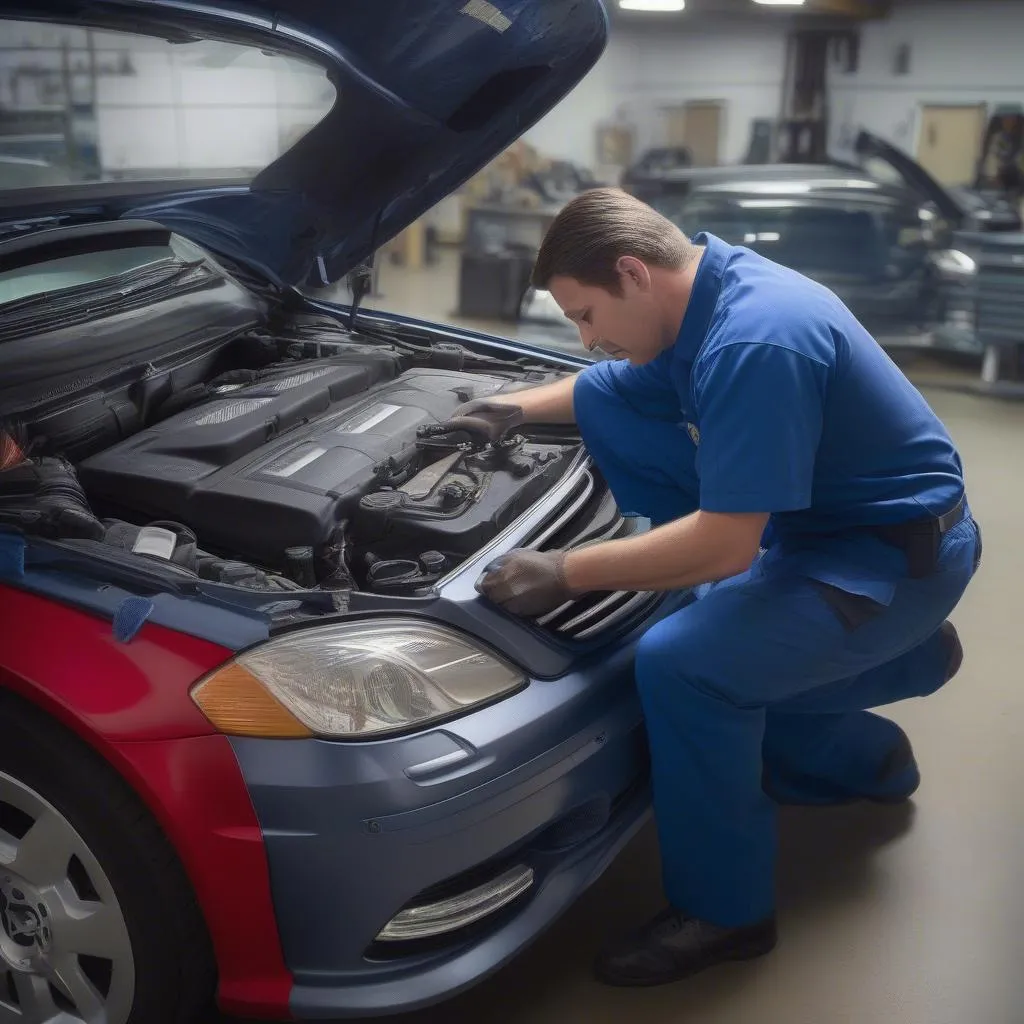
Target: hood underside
x,y
428,92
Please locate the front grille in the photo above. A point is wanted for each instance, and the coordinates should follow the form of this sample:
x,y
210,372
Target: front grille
x,y
589,515
999,290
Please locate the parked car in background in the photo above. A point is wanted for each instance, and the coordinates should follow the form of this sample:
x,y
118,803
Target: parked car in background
x,y
261,736
962,208
876,228
870,242
867,241
657,160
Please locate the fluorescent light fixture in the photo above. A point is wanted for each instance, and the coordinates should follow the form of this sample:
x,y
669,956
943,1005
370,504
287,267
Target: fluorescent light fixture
x,y
653,5
780,3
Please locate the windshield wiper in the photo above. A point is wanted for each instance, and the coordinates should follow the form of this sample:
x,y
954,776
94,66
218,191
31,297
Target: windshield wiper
x,y
78,305
131,282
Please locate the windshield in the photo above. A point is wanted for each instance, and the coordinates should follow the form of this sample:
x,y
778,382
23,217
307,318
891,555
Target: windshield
x,y
78,105
89,269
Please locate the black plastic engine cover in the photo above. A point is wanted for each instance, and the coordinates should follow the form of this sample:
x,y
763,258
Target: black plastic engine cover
x,y
278,464
458,504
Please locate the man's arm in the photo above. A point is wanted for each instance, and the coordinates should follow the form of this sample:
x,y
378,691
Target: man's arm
x,y
700,548
761,412
549,403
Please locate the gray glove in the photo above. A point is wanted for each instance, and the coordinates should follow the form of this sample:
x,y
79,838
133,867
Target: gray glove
x,y
527,583
483,418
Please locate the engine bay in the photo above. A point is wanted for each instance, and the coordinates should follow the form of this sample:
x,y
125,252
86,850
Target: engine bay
x,y
314,467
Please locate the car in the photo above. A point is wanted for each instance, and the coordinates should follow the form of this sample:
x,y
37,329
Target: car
x,y
961,208
656,160
874,227
868,241
263,738
865,240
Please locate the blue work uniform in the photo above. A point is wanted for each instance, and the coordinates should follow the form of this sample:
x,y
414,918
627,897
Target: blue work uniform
x,y
775,399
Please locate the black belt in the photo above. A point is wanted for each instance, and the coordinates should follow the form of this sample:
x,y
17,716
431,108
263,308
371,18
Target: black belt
x,y
920,539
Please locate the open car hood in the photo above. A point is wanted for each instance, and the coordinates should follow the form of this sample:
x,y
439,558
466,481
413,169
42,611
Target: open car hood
x,y
429,91
914,176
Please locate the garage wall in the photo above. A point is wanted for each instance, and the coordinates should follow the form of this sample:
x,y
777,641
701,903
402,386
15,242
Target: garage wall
x,y
966,52
203,109
741,66
643,71
569,131
960,53
161,108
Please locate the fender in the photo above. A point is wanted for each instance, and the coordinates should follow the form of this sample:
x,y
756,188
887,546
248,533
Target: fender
x,y
130,703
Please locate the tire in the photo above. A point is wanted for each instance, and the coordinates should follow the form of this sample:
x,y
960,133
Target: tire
x,y
97,918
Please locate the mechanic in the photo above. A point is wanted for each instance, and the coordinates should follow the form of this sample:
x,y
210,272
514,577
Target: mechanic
x,y
798,482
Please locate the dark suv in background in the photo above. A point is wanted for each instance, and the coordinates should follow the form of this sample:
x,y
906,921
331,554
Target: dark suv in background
x,y
899,248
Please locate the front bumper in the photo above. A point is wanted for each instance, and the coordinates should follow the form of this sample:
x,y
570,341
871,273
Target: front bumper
x,y
553,779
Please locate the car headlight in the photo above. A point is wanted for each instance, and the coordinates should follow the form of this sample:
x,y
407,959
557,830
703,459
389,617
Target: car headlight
x,y
353,680
954,263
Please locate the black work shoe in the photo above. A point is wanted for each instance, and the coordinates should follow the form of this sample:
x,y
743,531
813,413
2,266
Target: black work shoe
x,y
673,946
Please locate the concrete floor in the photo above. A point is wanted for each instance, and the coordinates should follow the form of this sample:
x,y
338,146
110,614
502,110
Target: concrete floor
x,y
914,914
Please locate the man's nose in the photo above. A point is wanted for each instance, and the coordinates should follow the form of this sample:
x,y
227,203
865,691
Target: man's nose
x,y
588,337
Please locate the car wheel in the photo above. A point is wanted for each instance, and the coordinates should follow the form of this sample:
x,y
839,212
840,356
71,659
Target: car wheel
x,y
98,924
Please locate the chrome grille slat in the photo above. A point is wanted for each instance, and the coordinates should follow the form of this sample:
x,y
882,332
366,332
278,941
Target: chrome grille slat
x,y
579,522
634,604
996,290
551,616
567,514
595,612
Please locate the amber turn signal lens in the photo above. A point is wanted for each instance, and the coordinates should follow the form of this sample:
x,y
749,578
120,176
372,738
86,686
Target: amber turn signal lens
x,y
237,704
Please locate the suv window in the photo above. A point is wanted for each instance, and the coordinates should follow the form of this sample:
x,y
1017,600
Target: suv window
x,y
813,236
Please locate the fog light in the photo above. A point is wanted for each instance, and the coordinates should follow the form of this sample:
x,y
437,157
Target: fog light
x,y
448,915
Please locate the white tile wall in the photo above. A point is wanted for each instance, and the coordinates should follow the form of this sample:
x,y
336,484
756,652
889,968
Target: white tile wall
x,y
204,107
226,87
219,137
129,142
151,86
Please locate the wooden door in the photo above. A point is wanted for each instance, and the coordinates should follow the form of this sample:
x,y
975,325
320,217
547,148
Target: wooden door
x,y
698,126
949,142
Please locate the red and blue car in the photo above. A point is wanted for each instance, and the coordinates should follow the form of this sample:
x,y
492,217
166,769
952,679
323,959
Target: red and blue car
x,y
261,738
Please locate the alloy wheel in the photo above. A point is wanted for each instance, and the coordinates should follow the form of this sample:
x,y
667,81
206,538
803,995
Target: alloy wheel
x,y
65,952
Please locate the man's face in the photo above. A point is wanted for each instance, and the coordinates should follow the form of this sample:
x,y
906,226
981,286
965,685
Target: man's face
x,y
625,326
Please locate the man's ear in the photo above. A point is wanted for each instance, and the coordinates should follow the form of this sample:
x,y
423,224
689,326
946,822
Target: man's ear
x,y
634,271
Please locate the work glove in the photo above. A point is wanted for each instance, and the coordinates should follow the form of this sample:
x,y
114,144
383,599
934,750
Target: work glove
x,y
527,583
483,419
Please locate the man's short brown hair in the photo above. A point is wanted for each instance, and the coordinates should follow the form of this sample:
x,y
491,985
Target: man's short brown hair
x,y
600,225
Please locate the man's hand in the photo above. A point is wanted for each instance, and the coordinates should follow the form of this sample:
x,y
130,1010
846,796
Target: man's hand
x,y
526,582
484,418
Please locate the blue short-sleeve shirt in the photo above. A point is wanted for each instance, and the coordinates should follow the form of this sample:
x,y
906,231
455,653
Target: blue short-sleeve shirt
x,y
796,411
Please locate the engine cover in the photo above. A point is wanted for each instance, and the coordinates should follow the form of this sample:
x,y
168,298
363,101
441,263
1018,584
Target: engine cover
x,y
458,503
278,464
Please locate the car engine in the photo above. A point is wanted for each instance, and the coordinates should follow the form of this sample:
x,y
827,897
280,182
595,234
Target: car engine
x,y
304,474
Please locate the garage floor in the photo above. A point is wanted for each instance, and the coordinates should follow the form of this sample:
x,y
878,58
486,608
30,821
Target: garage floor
x,y
912,914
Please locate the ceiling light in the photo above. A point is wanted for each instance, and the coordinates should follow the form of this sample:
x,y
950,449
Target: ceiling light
x,y
653,5
780,3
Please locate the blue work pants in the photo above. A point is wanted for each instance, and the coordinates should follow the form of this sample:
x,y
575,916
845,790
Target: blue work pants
x,y
757,676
